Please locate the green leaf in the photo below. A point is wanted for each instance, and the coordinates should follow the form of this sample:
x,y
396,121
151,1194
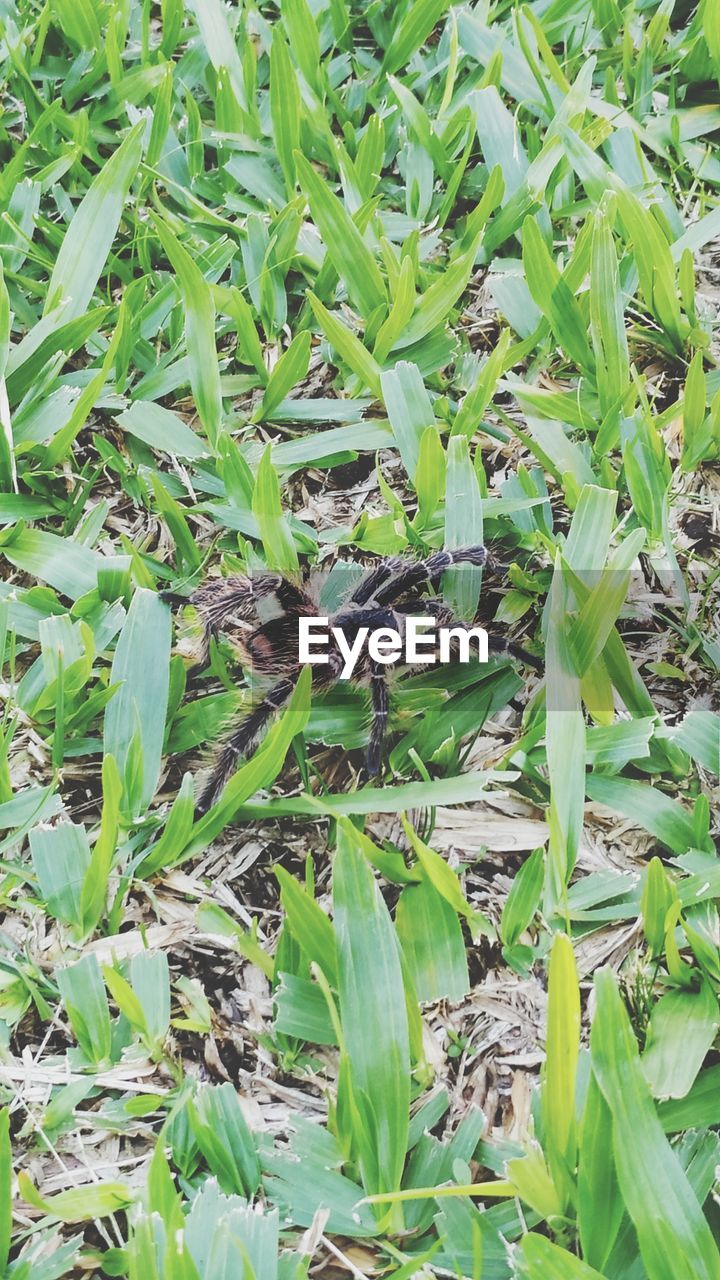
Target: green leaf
x,y
607,321
654,264
275,531
432,942
531,1179
430,474
543,1260
141,666
309,925
699,1109
648,806
285,107
559,1076
79,22
435,304
682,1029
523,898
93,228
176,832
411,31
231,302
216,35
150,978
468,418
399,799
565,738
346,248
223,1135
302,1011
671,1229
464,527
304,40
403,304
126,1000
83,1204
409,410
65,564
347,346
161,429
83,992
187,553
373,1016
699,735
555,299
659,895
600,1207
441,876
199,318
61,858
647,471
289,370
598,614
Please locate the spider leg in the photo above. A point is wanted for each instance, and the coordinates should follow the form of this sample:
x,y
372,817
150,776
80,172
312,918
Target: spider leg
x,y
444,617
498,644
379,695
375,578
403,576
241,741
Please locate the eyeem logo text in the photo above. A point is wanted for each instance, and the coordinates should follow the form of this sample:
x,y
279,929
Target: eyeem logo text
x,y
421,643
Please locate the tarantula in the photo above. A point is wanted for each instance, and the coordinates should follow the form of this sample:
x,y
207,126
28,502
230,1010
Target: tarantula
x,y
385,596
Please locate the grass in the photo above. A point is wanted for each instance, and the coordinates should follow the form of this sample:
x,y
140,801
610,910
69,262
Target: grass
x,y
308,285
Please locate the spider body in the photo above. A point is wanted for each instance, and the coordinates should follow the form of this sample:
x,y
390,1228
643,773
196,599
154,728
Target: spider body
x,y
262,616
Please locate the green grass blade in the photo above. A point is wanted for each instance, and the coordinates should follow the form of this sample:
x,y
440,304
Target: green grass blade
x,y
141,667
348,252
89,237
409,410
672,1232
372,1011
199,313
562,1050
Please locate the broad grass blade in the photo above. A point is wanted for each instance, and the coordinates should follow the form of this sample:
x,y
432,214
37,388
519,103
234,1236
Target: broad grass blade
x,y
350,256
409,410
413,28
141,665
267,507
463,525
559,1077
199,313
543,1260
89,237
600,1207
682,1030
373,1015
673,1234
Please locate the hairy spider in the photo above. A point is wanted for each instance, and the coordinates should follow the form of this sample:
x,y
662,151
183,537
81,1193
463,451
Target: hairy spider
x,y
261,616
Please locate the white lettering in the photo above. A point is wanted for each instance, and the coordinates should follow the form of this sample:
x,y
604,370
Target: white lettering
x,y
463,635
385,645
350,653
307,638
413,640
